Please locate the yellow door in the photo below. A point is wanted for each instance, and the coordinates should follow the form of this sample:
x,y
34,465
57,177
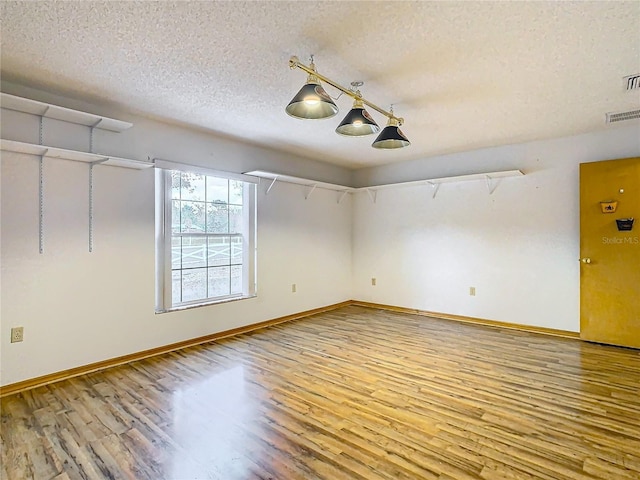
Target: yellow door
x,y
610,254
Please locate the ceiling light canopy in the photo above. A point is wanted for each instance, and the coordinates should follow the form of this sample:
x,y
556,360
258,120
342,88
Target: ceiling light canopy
x,y
313,102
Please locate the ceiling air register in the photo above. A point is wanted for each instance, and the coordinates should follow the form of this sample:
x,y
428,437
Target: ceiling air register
x,y
312,102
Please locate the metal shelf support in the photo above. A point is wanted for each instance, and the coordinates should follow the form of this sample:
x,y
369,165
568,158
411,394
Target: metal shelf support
x,y
91,165
41,128
271,186
435,187
41,205
306,197
490,185
91,132
41,186
372,194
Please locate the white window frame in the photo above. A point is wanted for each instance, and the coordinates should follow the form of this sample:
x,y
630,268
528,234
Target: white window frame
x,y
164,236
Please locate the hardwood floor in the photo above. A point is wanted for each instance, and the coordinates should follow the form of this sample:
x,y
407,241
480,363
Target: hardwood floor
x,y
353,393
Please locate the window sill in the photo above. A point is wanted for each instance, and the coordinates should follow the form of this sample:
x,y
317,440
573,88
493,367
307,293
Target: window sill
x,y
206,304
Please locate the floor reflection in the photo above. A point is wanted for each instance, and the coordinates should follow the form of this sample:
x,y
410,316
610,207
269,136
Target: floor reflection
x,y
207,424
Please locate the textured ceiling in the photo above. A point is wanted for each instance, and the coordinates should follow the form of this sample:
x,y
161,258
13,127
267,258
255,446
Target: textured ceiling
x,y
464,75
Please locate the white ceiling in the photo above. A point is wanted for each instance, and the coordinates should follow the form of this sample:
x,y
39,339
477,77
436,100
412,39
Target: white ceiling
x,y
464,75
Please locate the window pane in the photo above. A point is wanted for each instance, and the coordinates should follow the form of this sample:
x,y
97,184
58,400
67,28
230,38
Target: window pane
x,y
219,281
194,284
217,190
235,192
235,219
236,279
176,253
175,185
194,252
219,251
176,290
192,187
175,216
217,218
236,251
192,217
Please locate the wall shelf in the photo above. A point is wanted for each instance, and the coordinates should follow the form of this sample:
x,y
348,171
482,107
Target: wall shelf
x,y
455,179
312,184
299,181
491,178
47,110
73,155
91,159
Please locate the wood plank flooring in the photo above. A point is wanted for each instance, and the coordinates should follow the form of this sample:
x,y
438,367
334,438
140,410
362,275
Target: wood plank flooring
x,y
355,393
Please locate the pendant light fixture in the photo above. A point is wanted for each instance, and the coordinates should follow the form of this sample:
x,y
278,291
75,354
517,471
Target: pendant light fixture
x,y
358,122
391,136
313,102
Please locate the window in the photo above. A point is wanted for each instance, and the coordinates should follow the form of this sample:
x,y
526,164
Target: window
x,y
205,235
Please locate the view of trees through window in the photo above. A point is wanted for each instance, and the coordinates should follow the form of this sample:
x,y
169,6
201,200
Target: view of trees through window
x,y
207,237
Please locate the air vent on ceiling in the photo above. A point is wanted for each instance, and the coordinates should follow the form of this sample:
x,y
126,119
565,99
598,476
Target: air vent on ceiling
x,y
621,116
632,82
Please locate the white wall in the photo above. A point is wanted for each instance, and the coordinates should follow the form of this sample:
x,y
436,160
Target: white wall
x,y
519,246
78,307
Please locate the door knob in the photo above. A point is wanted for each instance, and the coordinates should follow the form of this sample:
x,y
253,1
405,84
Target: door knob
x,y
585,260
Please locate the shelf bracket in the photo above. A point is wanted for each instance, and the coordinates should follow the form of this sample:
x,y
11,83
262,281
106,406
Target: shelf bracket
x,y
372,194
271,186
435,187
306,197
92,129
341,196
491,186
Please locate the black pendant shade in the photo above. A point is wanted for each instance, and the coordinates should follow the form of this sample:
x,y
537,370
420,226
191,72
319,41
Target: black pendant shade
x,y
312,102
391,137
358,122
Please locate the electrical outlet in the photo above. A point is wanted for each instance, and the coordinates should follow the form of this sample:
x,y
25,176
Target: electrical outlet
x,y
293,288
472,291
373,281
17,334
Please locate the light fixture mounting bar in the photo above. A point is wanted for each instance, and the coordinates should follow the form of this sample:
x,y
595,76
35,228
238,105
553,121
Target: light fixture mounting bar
x,y
294,62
